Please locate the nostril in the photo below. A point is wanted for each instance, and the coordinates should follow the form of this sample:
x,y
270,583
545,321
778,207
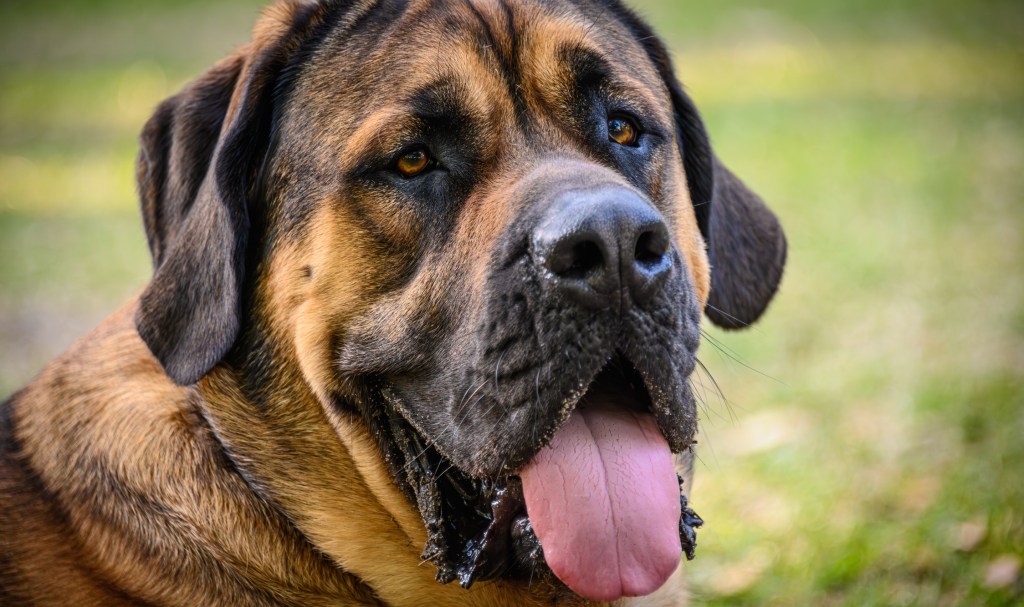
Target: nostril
x,y
652,263
586,258
651,248
577,260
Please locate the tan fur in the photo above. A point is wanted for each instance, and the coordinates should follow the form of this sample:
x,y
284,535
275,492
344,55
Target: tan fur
x,y
106,407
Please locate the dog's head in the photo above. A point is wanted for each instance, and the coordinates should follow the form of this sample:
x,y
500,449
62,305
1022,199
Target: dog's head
x,y
489,229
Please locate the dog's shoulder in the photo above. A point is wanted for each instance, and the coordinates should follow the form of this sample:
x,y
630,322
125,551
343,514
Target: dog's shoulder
x,y
40,561
114,490
103,404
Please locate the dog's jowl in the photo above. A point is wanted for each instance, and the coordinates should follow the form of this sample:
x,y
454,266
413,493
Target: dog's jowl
x,y
428,280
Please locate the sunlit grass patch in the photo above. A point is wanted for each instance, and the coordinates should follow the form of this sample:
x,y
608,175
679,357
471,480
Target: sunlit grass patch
x,y
72,257
893,71
841,474
72,185
56,101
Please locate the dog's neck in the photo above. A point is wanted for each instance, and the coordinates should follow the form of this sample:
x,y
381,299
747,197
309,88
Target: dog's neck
x,y
320,466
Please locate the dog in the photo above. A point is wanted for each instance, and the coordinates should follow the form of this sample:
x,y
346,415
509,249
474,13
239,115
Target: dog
x,y
427,291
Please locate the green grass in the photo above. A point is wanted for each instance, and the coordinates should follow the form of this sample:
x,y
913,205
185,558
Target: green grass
x,y
868,448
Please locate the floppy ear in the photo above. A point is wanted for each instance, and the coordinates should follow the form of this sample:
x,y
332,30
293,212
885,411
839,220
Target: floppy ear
x,y
746,245
747,250
745,242
196,168
188,314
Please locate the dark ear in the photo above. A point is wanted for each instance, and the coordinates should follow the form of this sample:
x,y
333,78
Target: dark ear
x,y
747,250
746,245
188,315
197,166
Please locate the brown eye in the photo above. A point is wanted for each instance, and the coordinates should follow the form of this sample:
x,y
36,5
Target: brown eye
x,y
622,131
413,162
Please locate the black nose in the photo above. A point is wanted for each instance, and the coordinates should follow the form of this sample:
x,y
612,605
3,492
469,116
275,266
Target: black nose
x,y
603,246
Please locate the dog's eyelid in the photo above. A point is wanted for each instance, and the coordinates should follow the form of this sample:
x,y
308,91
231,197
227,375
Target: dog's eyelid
x,y
629,100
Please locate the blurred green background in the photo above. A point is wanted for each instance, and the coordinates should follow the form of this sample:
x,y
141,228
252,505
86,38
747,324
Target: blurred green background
x,y
867,443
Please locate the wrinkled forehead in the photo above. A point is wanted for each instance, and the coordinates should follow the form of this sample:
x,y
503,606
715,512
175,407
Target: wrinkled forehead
x,y
504,58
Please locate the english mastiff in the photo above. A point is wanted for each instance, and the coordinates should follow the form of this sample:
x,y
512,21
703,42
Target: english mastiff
x,y
426,301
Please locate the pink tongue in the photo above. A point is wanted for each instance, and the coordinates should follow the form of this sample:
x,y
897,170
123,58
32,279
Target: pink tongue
x,y
604,501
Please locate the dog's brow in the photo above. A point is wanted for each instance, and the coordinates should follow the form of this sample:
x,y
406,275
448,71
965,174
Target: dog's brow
x,y
438,105
443,100
590,70
586,66
382,132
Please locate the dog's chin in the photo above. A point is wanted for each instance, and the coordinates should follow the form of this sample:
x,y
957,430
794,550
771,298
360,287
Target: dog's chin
x,y
479,528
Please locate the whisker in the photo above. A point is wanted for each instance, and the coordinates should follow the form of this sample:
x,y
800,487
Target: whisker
x,y
497,366
729,405
714,456
458,411
733,355
729,316
702,405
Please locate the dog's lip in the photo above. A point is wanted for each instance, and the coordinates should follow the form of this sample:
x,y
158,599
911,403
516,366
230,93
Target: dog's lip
x,y
618,375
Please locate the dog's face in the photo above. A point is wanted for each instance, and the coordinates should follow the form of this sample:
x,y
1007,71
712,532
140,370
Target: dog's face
x,y
478,225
